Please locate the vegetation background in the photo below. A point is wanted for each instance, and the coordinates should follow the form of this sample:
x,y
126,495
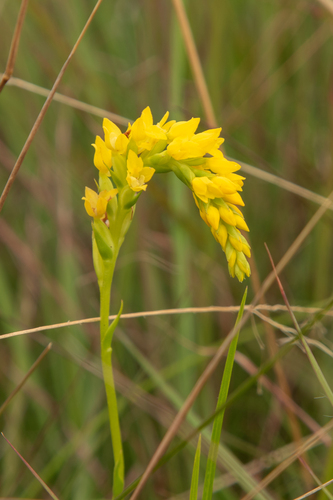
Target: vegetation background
x,y
269,73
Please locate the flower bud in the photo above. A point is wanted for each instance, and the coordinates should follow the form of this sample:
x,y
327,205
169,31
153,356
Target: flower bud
x,y
183,172
128,197
103,240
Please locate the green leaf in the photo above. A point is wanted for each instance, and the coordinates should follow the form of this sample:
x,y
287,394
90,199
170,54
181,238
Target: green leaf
x,y
103,239
109,332
118,476
195,473
217,426
128,198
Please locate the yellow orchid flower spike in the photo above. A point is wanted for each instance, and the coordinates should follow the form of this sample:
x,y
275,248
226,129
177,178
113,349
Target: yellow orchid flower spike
x,y
126,163
129,160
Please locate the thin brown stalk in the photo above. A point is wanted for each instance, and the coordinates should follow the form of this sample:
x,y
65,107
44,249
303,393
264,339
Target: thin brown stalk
x,y
69,101
328,4
279,371
43,111
302,449
282,183
317,480
25,378
195,62
39,479
321,487
14,45
163,413
121,120
281,396
172,431
255,467
169,312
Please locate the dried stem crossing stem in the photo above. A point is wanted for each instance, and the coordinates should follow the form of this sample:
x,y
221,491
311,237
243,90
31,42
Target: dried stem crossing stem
x,y
14,45
181,415
42,113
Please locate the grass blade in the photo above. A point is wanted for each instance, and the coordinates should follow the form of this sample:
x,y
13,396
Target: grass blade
x,y
218,421
195,473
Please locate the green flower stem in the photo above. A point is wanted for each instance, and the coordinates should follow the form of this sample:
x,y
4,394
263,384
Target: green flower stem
x,y
106,352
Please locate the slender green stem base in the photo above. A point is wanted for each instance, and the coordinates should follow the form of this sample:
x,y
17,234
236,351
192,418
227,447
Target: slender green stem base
x,y
106,352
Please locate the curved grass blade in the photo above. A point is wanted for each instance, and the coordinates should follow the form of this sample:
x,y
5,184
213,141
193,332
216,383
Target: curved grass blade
x,y
218,421
195,473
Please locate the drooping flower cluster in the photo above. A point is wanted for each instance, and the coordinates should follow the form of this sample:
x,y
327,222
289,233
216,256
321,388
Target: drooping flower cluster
x,y
127,161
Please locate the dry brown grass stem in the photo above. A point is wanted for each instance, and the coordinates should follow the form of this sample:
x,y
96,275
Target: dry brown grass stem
x,y
168,312
43,111
328,4
164,414
281,377
283,398
39,479
282,183
307,445
69,101
209,370
14,45
25,378
322,486
194,60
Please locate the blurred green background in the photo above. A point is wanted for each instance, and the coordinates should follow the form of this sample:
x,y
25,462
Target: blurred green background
x,y
269,71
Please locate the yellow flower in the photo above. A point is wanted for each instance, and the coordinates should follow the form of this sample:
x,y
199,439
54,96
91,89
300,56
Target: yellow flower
x,y
183,130
185,144
227,215
209,141
102,157
164,125
137,174
216,187
201,186
225,185
221,166
234,198
240,222
221,235
96,203
114,139
145,133
182,149
237,263
213,217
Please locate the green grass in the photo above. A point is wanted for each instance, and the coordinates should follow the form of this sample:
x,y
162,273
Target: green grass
x,y
269,70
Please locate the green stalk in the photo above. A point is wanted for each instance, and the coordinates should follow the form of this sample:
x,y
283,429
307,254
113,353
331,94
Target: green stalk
x,y
106,332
